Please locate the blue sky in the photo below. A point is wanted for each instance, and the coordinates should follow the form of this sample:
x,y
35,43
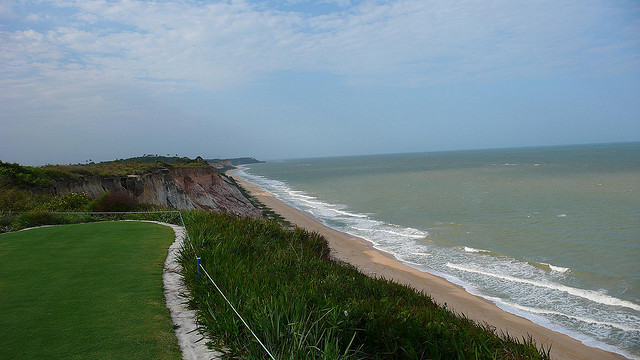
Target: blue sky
x,y
285,79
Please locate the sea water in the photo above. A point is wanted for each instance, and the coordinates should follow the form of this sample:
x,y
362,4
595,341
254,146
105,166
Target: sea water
x,y
551,234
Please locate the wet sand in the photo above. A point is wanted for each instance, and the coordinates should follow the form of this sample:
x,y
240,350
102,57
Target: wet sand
x,y
371,261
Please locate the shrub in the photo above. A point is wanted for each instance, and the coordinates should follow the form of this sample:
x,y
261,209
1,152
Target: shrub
x,y
15,200
6,220
69,202
23,176
35,218
120,200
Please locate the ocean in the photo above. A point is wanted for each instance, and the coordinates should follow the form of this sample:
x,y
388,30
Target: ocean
x,y
551,233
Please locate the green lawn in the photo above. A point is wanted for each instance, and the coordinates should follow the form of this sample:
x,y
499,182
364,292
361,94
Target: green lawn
x,y
85,291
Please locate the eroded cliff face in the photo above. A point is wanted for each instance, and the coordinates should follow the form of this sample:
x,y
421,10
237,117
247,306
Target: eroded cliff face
x,y
179,188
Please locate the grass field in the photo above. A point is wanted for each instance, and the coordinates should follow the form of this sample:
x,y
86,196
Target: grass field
x,y
85,291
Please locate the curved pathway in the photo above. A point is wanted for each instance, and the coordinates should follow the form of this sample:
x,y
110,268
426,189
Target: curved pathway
x,y
192,342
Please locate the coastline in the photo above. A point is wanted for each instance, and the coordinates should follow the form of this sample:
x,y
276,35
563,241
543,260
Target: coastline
x,y
371,261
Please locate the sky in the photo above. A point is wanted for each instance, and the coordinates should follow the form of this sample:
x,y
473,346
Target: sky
x,y
102,80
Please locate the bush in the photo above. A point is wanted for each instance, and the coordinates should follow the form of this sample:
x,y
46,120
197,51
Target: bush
x,y
15,200
35,218
69,202
120,200
15,175
6,221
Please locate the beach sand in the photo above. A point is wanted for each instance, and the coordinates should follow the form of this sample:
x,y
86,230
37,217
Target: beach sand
x,y
370,261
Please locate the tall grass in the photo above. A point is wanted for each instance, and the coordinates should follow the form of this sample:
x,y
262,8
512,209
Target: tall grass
x,y
303,305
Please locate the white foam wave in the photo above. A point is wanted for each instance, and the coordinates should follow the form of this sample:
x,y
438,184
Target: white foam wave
x,y
300,194
579,318
317,203
555,268
591,295
346,213
472,250
413,236
562,215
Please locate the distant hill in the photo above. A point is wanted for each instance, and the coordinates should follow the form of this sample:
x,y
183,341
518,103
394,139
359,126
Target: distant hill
x,y
236,161
147,159
141,183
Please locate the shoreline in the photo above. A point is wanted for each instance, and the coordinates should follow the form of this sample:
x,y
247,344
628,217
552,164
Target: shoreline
x,y
374,262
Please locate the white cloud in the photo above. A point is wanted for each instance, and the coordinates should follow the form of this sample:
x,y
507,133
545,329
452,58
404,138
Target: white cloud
x,y
217,45
107,48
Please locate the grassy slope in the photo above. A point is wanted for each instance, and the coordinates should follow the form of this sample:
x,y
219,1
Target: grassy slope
x,y
87,291
305,306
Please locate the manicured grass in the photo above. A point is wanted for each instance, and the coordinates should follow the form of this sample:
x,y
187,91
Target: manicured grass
x,y
85,291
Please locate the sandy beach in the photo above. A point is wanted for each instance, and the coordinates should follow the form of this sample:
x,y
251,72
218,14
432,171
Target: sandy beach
x,y
376,263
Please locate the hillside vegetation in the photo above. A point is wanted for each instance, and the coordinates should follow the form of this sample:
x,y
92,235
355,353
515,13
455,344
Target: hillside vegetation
x,y
29,188
304,305
30,177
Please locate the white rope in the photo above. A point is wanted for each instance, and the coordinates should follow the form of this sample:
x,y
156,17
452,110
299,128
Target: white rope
x,y
112,212
236,311
223,295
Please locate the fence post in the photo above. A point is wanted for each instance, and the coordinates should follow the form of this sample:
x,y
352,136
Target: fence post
x,y
198,267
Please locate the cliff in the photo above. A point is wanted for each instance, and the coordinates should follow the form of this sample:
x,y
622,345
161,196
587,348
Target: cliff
x,y
179,188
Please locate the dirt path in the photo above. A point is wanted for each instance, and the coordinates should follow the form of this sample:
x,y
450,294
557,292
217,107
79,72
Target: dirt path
x,y
192,342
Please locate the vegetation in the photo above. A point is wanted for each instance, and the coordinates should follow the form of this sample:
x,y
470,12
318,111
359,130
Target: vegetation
x,y
23,208
303,305
90,291
115,201
18,176
133,166
30,189
237,161
38,178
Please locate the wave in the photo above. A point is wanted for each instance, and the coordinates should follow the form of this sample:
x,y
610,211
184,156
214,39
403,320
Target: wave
x,y
421,253
532,310
555,268
301,194
591,295
416,235
312,202
346,213
472,250
412,236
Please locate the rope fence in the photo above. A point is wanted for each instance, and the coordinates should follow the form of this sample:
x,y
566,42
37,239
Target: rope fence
x,y
200,266
234,310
